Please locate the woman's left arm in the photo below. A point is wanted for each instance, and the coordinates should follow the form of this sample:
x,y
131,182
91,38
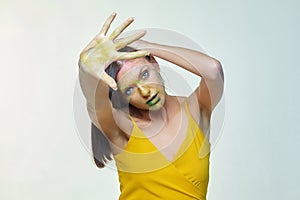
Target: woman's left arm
x,y
209,69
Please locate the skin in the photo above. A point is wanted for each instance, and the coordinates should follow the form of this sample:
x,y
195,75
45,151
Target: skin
x,y
102,50
163,121
141,84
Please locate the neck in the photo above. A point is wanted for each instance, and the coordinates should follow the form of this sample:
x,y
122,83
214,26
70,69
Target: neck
x,y
148,115
151,115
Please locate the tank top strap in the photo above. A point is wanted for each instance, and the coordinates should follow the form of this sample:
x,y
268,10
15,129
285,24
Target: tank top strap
x,y
187,108
136,132
192,121
132,120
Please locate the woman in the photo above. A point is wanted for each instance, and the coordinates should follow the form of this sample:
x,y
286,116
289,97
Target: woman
x,y
156,139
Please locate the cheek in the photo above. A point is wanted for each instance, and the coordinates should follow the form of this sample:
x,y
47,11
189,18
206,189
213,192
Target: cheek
x,y
138,101
133,98
158,80
136,96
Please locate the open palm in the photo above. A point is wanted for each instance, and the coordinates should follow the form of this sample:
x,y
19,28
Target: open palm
x,y
103,50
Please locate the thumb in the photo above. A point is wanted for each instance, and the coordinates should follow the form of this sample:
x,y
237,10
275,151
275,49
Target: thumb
x,y
109,81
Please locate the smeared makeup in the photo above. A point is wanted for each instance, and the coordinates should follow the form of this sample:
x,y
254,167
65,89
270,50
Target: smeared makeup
x,y
153,100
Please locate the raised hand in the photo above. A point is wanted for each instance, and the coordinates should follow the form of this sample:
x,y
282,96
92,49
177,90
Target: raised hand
x,y
103,50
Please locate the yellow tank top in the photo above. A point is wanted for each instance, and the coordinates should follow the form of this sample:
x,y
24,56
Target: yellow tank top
x,y
145,173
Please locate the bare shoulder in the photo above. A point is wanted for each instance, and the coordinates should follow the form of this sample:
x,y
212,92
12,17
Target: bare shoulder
x,y
175,103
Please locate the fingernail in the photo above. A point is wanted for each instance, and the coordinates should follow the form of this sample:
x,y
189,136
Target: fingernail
x,y
114,86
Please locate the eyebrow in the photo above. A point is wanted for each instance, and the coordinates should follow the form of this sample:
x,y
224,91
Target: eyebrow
x,y
142,69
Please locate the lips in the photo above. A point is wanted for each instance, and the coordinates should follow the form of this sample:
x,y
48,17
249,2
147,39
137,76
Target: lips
x,y
153,100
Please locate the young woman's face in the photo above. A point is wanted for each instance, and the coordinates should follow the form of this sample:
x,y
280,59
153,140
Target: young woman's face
x,y
141,84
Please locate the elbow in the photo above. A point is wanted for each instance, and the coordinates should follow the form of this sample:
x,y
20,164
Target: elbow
x,y
216,70
79,63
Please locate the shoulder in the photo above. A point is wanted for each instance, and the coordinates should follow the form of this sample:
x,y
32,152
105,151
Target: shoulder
x,y
175,103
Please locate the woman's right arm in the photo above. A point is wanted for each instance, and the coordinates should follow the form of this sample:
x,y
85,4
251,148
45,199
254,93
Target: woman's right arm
x,y
98,104
95,82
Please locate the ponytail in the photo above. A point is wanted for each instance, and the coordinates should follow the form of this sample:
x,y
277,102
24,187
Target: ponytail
x,y
100,146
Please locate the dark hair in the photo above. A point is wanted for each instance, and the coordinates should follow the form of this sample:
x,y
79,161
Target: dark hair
x,y
100,144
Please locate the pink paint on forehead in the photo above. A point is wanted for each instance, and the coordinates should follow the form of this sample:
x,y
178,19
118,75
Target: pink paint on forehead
x,y
129,64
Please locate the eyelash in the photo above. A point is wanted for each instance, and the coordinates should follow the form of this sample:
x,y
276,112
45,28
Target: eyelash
x,y
128,91
147,74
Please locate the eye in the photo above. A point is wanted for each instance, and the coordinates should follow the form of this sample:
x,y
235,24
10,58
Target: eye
x,y
145,74
128,91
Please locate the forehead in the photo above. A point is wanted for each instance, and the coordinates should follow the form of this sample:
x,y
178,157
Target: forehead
x,y
136,61
132,68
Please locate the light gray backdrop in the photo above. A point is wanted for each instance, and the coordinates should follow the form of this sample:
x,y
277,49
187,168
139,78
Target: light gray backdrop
x,y
41,155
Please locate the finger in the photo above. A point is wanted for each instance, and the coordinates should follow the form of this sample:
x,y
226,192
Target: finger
x,y
103,31
120,28
109,81
107,24
132,55
127,40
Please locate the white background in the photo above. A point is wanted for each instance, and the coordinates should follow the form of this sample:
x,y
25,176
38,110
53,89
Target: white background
x,y
41,156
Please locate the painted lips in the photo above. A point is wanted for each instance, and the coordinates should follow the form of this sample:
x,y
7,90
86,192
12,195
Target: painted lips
x,y
153,100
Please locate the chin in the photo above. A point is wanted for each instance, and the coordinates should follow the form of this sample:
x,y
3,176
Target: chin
x,y
158,105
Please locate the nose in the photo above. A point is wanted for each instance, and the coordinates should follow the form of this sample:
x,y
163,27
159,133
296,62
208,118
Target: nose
x,y
144,90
